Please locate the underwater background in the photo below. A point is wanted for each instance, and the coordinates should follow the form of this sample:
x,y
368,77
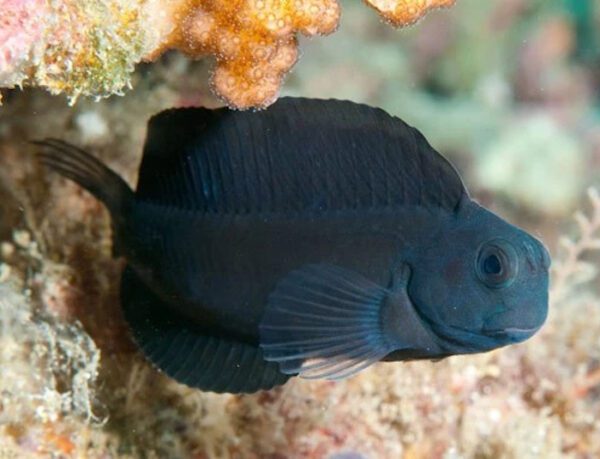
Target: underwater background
x,y
508,90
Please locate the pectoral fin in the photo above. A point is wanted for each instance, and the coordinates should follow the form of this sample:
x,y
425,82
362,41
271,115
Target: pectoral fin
x,y
323,321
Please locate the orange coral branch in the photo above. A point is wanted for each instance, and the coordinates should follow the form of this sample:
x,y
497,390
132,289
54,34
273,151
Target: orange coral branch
x,y
405,12
253,41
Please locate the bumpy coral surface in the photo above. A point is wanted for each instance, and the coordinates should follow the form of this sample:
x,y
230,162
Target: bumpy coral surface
x,y
253,41
405,12
90,48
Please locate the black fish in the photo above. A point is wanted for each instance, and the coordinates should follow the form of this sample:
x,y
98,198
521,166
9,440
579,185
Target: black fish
x,y
313,238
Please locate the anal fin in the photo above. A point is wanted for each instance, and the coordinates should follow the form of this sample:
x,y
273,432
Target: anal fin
x,y
189,355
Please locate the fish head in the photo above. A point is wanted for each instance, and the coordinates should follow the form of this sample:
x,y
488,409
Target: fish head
x,y
483,284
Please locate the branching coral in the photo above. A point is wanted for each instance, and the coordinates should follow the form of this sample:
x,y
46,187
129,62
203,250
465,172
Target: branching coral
x,y
253,41
572,270
405,12
90,48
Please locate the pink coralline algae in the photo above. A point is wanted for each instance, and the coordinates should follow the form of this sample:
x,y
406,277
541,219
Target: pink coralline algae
x,y
91,48
79,48
21,27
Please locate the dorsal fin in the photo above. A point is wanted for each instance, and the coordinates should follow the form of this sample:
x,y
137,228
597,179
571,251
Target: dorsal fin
x,y
297,155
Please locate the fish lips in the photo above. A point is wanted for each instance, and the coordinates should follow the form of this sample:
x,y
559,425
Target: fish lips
x,y
511,334
500,326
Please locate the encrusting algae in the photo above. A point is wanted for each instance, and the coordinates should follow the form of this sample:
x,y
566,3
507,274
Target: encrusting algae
x,y
90,48
76,48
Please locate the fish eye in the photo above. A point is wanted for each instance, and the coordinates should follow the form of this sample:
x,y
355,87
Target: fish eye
x,y
497,263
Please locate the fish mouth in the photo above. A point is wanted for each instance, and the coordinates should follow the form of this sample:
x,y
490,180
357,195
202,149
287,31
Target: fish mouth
x,y
514,333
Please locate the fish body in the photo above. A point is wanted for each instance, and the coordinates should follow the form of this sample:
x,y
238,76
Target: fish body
x,y
313,238
230,265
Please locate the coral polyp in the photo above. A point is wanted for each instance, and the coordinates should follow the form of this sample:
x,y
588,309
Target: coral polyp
x,y
90,48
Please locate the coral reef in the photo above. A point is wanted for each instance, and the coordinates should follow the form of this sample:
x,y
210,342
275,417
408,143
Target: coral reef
x,y
79,48
36,410
471,80
20,30
90,48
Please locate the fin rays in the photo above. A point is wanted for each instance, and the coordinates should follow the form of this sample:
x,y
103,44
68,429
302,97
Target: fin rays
x,y
191,357
311,328
300,155
82,168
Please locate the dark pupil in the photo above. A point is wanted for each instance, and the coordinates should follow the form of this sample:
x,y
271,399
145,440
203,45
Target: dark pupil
x,y
491,265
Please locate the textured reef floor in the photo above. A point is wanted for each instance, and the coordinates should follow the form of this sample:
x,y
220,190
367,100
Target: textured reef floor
x,y
513,120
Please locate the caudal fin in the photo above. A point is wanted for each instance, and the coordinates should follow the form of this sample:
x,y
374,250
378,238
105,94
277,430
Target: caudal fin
x,y
77,165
